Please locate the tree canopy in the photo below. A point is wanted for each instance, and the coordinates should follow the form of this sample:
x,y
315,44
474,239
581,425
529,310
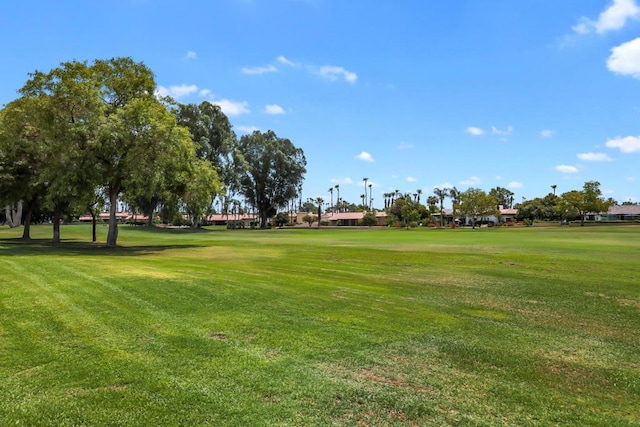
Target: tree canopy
x,y
476,203
270,170
82,129
581,202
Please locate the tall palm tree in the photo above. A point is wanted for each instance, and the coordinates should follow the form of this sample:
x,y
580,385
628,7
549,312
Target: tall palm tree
x,y
554,189
319,201
370,197
365,179
331,191
441,193
454,193
337,187
418,192
363,197
396,194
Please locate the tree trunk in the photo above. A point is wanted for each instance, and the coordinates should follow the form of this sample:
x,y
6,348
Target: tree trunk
x,y
263,219
56,225
112,235
14,216
94,237
26,232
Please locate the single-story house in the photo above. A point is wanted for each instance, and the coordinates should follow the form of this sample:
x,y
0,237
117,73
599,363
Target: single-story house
x,y
104,217
352,218
622,213
221,219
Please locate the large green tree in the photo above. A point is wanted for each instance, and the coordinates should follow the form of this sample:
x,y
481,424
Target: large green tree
x,y
503,196
405,210
66,112
139,138
589,199
22,158
270,171
200,191
210,129
475,203
548,208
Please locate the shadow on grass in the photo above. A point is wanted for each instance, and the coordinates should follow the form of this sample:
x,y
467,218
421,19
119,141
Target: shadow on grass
x,y
35,247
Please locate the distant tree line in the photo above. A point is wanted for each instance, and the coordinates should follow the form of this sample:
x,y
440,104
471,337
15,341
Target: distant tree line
x,y
477,204
84,137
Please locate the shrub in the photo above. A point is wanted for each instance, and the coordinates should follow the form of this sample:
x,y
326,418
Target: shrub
x,y
368,220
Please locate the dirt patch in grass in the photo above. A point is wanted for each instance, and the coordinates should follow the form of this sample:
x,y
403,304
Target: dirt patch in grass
x,y
388,377
217,336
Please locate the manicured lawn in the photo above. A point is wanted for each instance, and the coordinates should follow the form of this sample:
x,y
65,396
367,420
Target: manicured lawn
x,y
518,326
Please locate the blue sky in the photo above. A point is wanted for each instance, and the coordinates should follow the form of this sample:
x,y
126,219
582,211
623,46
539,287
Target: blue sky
x,y
410,94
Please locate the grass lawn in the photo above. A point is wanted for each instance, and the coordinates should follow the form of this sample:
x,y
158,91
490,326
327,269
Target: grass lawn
x,y
302,327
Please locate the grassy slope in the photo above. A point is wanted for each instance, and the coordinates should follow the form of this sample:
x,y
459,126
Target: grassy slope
x,y
329,327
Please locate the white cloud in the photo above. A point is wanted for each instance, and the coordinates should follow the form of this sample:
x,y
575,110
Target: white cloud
x,y
346,180
625,59
332,72
206,93
246,129
496,131
281,59
404,145
273,109
474,180
191,55
613,18
546,133
566,169
411,179
260,70
474,131
176,91
444,185
594,157
233,108
629,144
515,184
364,156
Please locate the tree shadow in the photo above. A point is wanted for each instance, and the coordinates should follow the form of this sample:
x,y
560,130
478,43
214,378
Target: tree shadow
x,y
39,247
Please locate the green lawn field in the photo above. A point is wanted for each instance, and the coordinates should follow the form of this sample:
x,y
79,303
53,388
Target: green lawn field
x,y
306,327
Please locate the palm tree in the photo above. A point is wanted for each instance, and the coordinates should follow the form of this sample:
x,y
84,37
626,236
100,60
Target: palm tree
x,y
554,189
418,192
454,193
363,197
396,195
337,187
365,179
441,193
319,201
331,191
370,197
